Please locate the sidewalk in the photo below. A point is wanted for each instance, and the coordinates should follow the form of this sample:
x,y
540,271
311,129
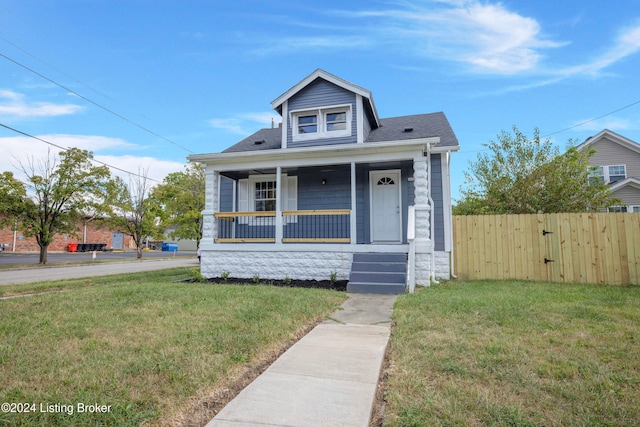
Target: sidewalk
x,y
328,378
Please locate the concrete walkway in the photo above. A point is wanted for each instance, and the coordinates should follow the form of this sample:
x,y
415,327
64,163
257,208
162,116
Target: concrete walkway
x,y
328,378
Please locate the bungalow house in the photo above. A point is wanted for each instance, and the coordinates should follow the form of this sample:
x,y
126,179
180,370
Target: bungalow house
x,y
334,191
617,163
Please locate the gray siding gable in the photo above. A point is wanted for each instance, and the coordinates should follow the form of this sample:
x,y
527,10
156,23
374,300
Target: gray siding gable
x,y
318,94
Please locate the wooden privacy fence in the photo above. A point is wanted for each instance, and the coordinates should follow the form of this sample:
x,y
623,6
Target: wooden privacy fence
x,y
577,248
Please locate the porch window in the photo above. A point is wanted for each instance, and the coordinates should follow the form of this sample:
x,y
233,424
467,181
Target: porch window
x,y
265,196
258,194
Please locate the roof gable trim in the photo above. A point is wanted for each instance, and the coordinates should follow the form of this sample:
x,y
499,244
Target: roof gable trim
x,y
325,76
612,136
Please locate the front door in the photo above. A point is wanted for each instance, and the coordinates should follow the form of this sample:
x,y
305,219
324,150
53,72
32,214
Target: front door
x,y
386,223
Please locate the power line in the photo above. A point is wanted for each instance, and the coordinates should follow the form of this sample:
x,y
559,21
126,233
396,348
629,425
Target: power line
x,y
67,148
55,68
592,120
96,104
572,127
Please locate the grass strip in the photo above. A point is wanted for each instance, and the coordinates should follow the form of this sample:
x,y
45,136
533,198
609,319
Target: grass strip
x,y
515,354
139,344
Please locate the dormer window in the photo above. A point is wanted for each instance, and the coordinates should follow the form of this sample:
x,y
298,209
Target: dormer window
x,y
308,124
331,122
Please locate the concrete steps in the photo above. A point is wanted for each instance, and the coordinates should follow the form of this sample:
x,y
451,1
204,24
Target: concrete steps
x,y
378,273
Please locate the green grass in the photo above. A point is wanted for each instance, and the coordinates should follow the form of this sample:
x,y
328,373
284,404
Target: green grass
x,y
139,343
515,354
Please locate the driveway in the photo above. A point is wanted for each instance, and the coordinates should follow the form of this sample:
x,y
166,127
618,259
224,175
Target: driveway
x,y
53,272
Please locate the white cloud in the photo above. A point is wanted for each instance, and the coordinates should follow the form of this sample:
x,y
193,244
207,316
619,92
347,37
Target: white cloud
x,y
247,123
488,37
157,169
20,148
627,44
13,104
325,43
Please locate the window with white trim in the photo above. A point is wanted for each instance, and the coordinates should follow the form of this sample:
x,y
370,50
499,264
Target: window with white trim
x,y
609,173
258,194
331,122
629,208
265,196
618,209
617,173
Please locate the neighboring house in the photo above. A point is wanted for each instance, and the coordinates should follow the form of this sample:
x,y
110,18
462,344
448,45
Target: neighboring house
x,y
618,164
333,191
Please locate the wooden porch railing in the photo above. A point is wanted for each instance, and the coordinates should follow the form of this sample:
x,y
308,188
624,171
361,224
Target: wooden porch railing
x,y
298,226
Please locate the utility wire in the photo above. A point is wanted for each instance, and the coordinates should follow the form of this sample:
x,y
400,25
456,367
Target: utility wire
x,y
96,104
67,148
571,127
55,68
592,120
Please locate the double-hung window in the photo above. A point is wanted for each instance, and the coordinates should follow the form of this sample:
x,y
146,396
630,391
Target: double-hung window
x,y
617,173
328,122
265,196
609,173
258,194
308,124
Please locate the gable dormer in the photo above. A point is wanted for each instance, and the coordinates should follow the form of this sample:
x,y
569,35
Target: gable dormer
x,y
323,109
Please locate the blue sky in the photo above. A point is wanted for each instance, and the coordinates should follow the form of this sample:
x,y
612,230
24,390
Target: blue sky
x,y
144,83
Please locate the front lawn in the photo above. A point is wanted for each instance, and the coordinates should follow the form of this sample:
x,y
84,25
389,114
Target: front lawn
x,y
515,354
138,347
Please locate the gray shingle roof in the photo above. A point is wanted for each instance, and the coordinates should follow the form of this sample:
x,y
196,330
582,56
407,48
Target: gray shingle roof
x,y
422,125
391,129
268,139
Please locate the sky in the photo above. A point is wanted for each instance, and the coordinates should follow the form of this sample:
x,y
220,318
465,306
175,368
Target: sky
x,y
145,83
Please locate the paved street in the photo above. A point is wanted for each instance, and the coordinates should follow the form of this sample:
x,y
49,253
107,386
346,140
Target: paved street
x,y
53,272
22,258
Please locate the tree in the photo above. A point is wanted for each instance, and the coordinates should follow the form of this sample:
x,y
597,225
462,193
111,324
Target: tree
x,y
132,210
522,175
12,198
64,189
182,197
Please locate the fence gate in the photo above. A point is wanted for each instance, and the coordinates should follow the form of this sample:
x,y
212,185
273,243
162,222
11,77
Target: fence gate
x,y
580,248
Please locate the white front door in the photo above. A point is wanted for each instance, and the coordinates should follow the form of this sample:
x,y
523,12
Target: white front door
x,y
386,223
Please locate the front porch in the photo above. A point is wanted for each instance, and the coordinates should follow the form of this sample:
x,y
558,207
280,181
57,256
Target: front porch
x,y
304,213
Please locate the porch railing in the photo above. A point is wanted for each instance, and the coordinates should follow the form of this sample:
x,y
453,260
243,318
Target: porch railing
x,y
299,226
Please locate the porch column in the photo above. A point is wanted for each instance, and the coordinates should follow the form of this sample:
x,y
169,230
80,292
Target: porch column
x,y
424,246
278,205
352,217
209,224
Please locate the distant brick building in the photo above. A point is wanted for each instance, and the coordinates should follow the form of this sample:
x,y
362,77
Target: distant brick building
x,y
87,232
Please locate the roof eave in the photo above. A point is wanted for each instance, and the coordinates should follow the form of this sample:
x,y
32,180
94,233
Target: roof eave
x,y
346,151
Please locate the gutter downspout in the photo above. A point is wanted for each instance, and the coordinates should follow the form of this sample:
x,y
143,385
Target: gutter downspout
x,y
431,220
452,270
